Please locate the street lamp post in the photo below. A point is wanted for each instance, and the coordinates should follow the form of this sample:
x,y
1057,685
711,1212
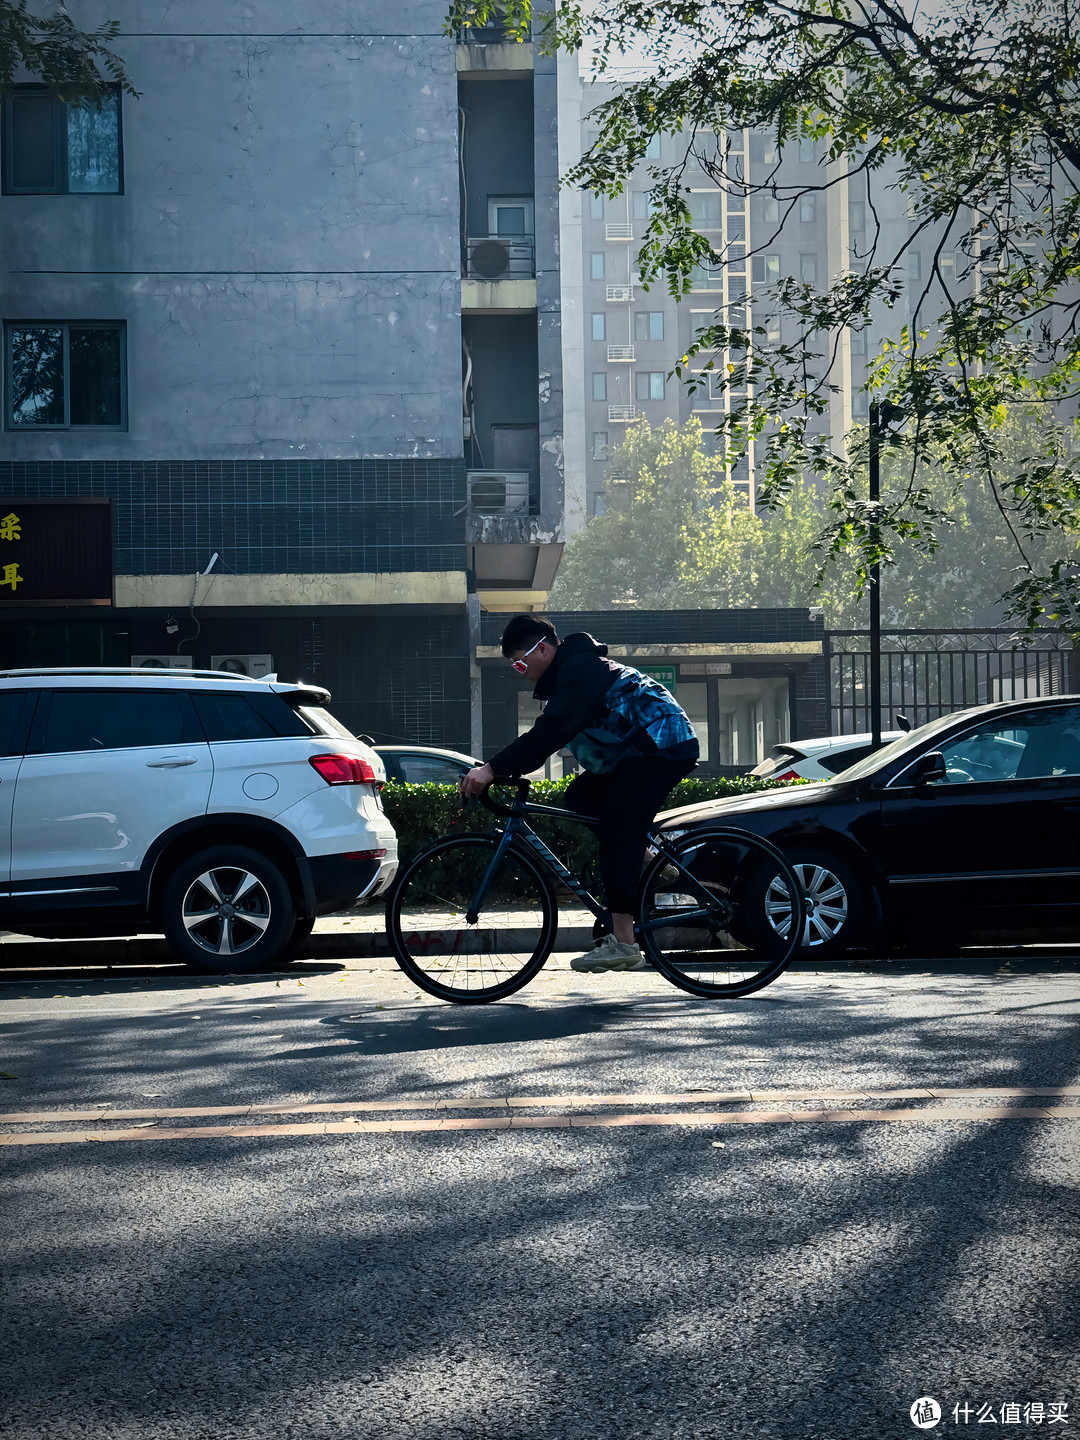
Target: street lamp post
x,y
875,585
882,416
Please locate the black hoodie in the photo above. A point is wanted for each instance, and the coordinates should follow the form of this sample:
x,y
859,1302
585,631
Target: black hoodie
x,y
574,689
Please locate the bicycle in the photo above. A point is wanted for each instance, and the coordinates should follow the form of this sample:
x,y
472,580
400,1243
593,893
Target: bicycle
x,y
473,917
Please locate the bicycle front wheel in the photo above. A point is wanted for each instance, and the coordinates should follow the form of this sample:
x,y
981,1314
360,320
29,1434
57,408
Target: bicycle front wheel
x,y
471,962
703,922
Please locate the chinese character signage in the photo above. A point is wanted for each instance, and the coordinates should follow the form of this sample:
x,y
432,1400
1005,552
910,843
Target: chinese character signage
x,y
665,674
55,552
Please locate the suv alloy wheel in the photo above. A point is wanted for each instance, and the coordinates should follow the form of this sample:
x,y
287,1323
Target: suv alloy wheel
x,y
228,908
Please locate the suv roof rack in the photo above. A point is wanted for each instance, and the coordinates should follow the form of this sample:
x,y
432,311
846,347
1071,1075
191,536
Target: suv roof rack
x,y
135,670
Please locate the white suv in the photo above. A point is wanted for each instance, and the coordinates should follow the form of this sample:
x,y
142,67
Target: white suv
x,y
224,812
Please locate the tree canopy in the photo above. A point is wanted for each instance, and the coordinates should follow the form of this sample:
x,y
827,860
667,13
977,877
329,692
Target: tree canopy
x,y
73,64
969,111
678,535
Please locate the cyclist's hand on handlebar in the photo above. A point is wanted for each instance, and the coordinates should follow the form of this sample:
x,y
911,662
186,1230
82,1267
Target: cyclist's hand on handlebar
x,y
476,781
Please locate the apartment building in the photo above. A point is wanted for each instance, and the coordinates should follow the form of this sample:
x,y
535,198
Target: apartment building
x,y
631,338
282,354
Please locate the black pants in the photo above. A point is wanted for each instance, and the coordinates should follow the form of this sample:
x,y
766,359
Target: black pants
x,y
625,802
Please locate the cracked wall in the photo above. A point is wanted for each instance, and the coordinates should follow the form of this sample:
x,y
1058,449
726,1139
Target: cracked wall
x,y
285,253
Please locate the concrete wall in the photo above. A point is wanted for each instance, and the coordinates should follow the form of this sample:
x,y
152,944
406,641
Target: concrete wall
x,y
285,253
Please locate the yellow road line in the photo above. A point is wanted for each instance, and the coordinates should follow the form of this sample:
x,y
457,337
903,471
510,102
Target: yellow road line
x,y
546,1122
495,1102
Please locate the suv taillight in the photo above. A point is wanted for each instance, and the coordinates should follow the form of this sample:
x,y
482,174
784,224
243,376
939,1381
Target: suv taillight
x,y
343,769
786,775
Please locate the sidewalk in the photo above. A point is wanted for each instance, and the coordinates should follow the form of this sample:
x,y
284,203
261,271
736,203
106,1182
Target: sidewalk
x,y
353,935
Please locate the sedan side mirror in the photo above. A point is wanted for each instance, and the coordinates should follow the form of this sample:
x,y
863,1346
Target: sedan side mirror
x,y
928,767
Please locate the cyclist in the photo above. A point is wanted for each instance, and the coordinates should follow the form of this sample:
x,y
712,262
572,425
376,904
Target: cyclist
x,y
632,740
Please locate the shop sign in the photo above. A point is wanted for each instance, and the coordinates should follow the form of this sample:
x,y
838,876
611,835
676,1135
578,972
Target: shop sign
x,y
708,667
665,674
55,552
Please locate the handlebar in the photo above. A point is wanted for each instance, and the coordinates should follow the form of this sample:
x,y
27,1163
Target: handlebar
x,y
521,794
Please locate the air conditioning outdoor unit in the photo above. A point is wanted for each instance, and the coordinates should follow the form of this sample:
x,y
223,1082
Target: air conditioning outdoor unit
x,y
162,662
255,666
498,492
493,258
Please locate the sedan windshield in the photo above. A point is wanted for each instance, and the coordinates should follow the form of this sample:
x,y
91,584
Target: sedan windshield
x,y
888,753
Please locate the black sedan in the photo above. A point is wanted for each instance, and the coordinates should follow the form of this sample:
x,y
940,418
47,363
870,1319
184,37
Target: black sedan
x,y
966,829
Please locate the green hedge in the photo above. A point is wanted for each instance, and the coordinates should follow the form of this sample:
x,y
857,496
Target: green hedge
x,y
422,813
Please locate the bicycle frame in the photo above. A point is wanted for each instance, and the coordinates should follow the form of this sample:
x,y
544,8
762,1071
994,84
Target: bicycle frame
x,y
517,827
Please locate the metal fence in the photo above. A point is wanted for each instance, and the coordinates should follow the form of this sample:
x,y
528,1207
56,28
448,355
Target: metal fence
x,y
927,673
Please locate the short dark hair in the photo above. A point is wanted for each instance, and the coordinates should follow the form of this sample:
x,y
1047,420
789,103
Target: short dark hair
x,y
524,631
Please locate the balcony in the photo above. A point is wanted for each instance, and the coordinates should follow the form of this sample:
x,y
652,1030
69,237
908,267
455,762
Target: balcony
x,y
619,294
618,230
620,414
500,257
621,352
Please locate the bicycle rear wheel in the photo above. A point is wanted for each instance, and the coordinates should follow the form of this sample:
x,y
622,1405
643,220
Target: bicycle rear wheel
x,y
707,930
466,962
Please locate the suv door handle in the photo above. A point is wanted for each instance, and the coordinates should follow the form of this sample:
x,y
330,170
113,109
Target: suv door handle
x,y
170,762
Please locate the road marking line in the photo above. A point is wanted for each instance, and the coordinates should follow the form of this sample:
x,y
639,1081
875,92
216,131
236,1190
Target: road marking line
x,y
695,1119
496,1102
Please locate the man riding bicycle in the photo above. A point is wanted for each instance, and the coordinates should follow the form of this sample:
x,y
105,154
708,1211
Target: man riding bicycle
x,y
632,740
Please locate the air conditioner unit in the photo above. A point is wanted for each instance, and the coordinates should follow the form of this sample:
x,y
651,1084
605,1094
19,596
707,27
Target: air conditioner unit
x,y
254,666
162,662
493,258
498,492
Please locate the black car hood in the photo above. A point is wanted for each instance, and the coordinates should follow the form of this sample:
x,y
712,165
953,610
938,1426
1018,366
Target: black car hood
x,y
788,797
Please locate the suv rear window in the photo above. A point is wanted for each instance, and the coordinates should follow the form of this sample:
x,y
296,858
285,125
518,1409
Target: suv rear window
x,y
261,716
112,720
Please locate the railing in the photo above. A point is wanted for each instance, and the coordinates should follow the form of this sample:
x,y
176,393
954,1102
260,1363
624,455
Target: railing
x,y
499,257
622,412
618,230
927,673
620,293
620,352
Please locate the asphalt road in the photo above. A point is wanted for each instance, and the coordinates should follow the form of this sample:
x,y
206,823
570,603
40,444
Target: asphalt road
x,y
750,1258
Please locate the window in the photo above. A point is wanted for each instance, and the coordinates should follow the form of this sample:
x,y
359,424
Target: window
x,y
707,210
643,205
857,217
766,269
430,770
113,720
11,704
736,229
599,385
1032,745
858,342
807,208
765,210
807,150
599,444
599,325
707,277
52,148
808,269
648,325
649,384
62,376
510,215
596,206
914,266
596,265
652,149
232,717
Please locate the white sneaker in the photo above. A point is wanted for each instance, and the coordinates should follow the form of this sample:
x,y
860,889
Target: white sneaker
x,y
610,954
